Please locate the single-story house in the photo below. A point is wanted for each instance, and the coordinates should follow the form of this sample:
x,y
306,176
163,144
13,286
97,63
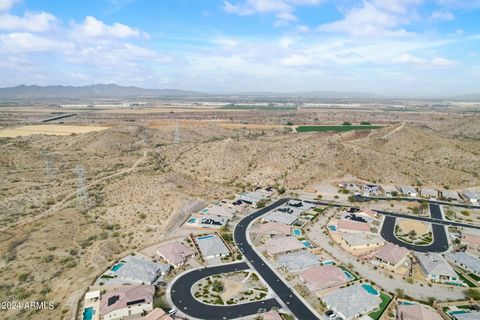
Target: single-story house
x,y
271,227
278,245
352,226
175,253
298,261
352,302
390,190
127,302
416,311
371,189
322,277
362,241
281,217
450,195
139,270
212,246
157,314
437,269
429,193
391,256
408,191
470,196
465,261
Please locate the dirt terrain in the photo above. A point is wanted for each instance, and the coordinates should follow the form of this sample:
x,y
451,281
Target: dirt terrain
x,y
52,245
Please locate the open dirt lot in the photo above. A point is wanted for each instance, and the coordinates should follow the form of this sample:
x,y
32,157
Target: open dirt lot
x,y
411,225
48,129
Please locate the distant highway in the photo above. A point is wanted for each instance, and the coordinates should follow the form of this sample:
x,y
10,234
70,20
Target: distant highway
x,y
57,117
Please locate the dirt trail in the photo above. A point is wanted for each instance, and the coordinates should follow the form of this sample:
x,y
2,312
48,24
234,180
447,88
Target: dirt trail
x,y
400,127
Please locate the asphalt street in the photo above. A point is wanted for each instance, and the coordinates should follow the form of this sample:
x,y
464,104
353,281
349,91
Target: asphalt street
x,y
184,300
283,291
440,240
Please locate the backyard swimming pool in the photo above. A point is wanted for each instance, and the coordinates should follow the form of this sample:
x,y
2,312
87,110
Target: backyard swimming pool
x,y
333,228
348,275
192,220
88,313
306,243
297,232
117,267
327,262
370,289
205,237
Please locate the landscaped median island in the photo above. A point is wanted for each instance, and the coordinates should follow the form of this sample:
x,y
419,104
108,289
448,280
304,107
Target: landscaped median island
x,y
230,288
339,128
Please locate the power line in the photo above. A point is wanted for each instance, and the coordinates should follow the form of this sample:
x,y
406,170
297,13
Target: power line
x,y
82,194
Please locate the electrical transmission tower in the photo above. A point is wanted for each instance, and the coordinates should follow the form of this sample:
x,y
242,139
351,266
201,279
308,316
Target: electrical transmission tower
x,y
177,139
82,195
49,168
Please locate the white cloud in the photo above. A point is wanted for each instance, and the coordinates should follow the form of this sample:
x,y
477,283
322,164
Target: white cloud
x,y
27,42
5,5
91,28
375,18
440,62
284,10
31,21
442,16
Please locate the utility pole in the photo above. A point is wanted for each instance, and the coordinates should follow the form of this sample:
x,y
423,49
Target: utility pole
x,y
177,139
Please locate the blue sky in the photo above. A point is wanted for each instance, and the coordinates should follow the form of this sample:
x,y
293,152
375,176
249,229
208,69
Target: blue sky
x,y
390,47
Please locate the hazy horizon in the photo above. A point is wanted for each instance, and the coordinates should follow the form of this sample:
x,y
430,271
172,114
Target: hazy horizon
x,y
416,48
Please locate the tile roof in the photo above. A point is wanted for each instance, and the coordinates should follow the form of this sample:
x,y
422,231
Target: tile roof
x,y
175,252
122,297
391,253
322,277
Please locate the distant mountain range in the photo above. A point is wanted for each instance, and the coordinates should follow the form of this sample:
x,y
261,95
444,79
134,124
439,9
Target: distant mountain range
x,y
97,90
116,91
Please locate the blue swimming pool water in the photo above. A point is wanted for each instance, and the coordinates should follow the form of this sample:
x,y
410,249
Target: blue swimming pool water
x,y
370,289
458,312
205,210
88,313
117,267
327,262
333,228
406,303
348,275
205,237
297,232
193,220
306,243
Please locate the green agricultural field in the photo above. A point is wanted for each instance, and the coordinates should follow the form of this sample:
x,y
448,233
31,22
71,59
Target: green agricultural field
x,y
341,128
